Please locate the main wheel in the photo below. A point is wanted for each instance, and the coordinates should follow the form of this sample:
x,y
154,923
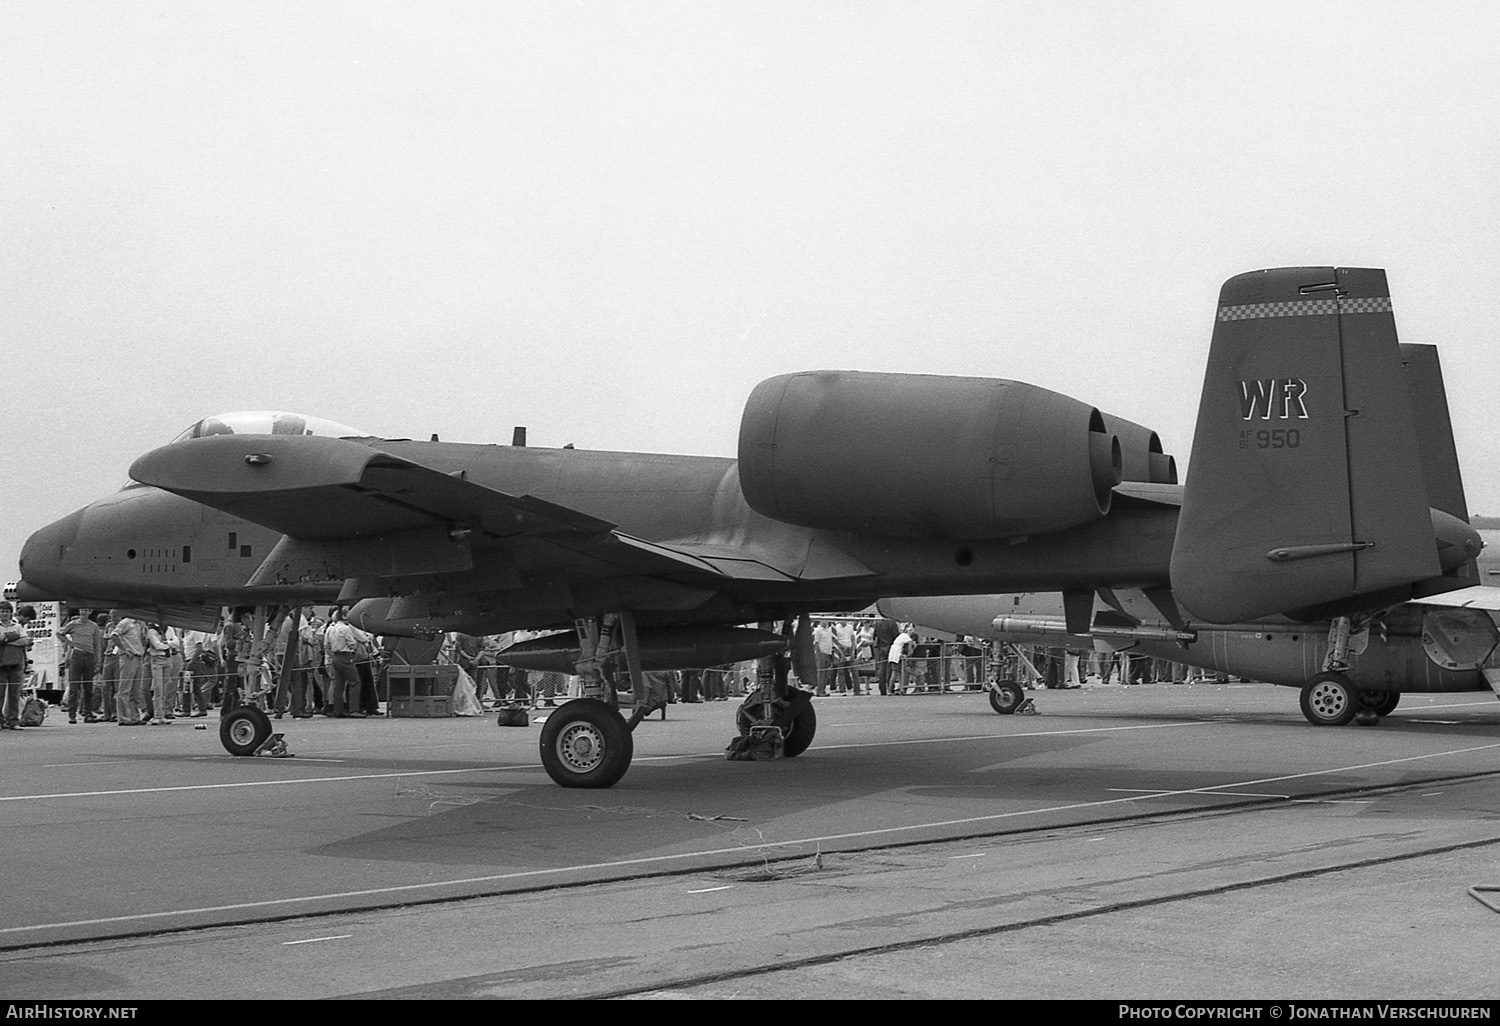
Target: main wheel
x,y
804,727
244,730
1381,703
1006,697
1329,700
585,743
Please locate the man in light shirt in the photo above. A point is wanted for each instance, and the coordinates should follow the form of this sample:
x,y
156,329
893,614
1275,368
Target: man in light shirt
x,y
345,643
128,636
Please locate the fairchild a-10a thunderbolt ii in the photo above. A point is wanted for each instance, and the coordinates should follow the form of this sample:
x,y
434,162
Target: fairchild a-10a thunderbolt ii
x,y
848,487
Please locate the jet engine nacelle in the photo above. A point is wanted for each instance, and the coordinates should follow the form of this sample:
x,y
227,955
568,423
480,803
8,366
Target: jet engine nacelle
x,y
919,455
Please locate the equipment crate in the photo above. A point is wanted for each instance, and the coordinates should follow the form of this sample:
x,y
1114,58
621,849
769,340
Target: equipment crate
x,y
420,706
421,690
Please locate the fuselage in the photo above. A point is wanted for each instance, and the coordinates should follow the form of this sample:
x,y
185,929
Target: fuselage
x,y
144,546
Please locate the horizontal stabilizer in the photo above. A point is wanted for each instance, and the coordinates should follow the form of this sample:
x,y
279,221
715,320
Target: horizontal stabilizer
x,y
1476,597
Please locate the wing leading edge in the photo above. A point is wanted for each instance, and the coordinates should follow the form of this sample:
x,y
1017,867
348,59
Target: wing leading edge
x,y
349,509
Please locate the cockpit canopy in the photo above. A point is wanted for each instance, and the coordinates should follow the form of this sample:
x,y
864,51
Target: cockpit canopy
x,y
265,422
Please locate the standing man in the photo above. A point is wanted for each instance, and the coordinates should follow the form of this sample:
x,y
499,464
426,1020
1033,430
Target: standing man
x,y
823,650
129,639
14,641
897,652
201,662
343,642
84,641
886,630
844,680
160,640
109,674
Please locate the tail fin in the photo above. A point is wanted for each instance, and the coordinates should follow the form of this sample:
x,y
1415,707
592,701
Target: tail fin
x,y
1306,484
1445,483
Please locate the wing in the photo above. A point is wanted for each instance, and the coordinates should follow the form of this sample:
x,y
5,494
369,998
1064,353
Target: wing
x,y
349,510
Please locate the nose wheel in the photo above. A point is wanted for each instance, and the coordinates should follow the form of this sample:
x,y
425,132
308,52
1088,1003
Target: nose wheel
x,y
244,730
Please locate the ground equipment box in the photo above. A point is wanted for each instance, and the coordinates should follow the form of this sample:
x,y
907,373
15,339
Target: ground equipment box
x,y
421,690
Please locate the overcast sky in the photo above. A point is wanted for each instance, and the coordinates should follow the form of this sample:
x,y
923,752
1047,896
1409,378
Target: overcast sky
x,y
609,221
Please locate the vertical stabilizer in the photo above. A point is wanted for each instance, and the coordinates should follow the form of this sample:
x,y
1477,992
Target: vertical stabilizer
x,y
1429,403
1306,483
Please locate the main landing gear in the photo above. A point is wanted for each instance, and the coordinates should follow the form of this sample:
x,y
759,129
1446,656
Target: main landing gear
x,y
1331,700
585,743
777,720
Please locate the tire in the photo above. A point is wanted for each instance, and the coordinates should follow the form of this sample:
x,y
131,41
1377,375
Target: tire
x,y
1329,700
1381,703
1006,697
585,743
244,730
804,728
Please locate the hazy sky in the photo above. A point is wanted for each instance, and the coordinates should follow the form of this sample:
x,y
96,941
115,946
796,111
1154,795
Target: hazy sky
x,y
609,221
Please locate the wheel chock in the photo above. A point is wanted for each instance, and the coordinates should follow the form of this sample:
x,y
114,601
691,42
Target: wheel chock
x,y
1027,708
762,744
274,747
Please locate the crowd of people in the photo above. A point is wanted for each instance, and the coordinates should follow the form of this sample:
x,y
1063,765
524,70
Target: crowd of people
x,y
124,670
127,671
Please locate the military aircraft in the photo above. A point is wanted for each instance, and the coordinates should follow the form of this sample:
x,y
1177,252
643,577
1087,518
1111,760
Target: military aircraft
x,y
848,487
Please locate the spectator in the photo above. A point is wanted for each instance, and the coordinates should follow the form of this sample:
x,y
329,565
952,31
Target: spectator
x,y
823,652
109,674
129,639
160,640
897,652
84,643
14,641
344,643
844,680
864,655
202,664
886,631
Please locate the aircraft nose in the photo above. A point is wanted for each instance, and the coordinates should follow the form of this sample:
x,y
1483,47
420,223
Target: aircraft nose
x,y
42,558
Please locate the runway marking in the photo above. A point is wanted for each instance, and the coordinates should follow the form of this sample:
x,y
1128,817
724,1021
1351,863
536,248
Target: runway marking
x,y
710,890
316,940
976,855
1446,723
70,765
655,860
1332,801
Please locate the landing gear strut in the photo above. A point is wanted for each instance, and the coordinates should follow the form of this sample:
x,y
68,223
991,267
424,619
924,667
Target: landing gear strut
x,y
775,719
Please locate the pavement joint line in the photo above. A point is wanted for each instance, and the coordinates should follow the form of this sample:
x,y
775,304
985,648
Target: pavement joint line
x,y
1148,791
680,856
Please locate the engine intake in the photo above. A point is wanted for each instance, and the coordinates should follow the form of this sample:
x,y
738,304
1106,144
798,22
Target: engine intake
x,y
920,455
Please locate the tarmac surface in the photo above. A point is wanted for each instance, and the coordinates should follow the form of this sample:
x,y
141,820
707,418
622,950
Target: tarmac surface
x,y
1193,841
